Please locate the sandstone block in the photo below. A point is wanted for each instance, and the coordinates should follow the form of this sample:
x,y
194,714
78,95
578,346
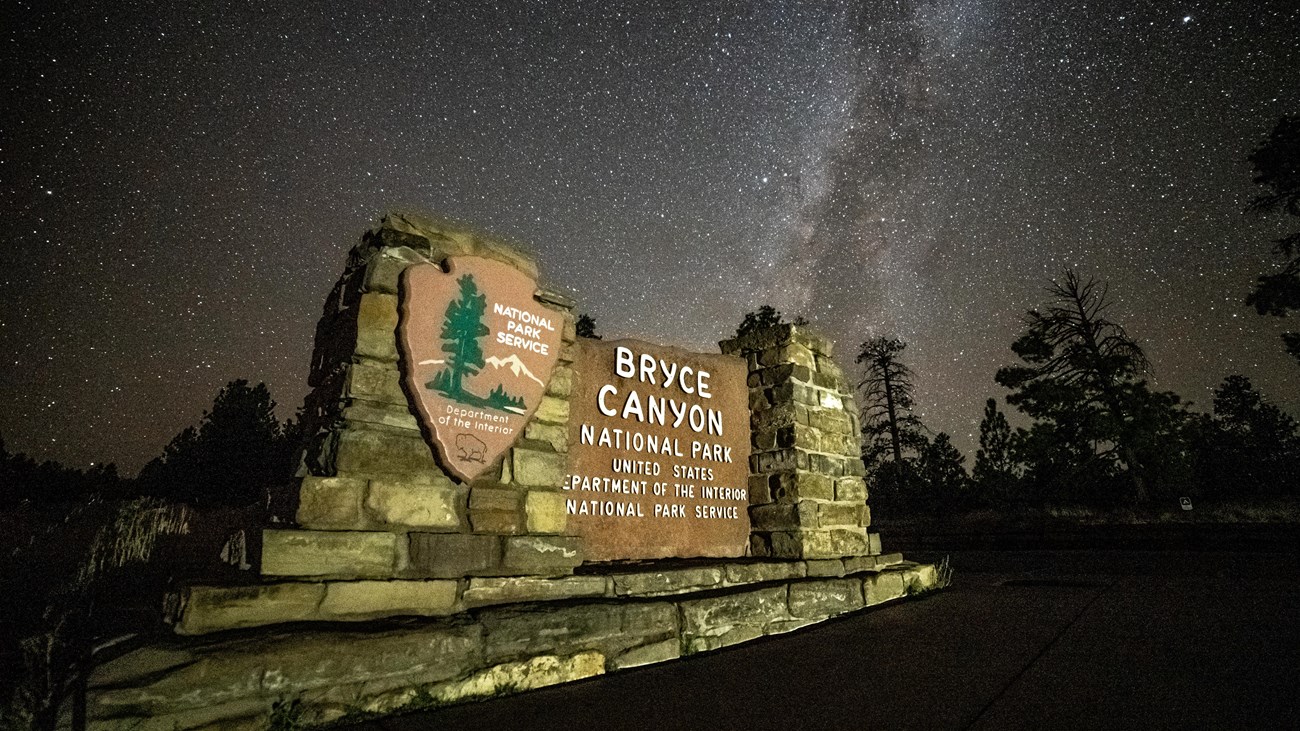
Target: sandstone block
x,y
553,434
788,625
791,486
662,651
330,502
735,635
496,521
495,498
774,416
419,506
651,583
648,621
843,445
775,516
366,412
714,616
372,451
139,664
806,437
375,382
830,400
561,383
370,599
919,578
825,567
377,327
858,564
839,514
827,365
453,555
753,573
850,489
546,555
848,542
533,467
370,554
383,272
854,466
824,543
887,559
800,355
545,512
773,461
818,599
553,410
516,633
836,422
873,544
506,590
236,677
212,608
813,340
763,440
883,587
535,672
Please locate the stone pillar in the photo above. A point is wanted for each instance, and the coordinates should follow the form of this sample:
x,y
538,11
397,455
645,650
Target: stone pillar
x,y
807,494
371,500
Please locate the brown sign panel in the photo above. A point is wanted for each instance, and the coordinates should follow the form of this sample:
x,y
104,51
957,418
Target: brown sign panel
x,y
477,351
658,452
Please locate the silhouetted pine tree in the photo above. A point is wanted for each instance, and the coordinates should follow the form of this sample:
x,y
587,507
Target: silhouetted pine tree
x,y
1277,167
237,451
1095,420
997,472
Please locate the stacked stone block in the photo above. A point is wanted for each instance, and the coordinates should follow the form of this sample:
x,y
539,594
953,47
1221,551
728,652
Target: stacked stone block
x,y
807,494
371,500
571,628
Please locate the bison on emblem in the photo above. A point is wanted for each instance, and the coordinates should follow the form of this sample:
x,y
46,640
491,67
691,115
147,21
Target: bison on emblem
x,y
470,448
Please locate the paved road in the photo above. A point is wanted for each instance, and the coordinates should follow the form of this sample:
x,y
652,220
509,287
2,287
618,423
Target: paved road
x,y
1022,640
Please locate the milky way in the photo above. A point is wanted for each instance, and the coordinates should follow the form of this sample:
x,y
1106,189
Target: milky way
x,y
180,185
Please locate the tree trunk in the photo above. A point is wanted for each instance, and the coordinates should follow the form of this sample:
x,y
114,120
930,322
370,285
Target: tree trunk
x,y
893,417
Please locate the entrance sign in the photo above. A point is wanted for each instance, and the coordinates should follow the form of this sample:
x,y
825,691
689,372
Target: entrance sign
x,y
477,351
658,452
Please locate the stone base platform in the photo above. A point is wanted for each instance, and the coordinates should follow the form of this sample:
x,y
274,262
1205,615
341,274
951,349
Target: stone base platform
x,y
429,643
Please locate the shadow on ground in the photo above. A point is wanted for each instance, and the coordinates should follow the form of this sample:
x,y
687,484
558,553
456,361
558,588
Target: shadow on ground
x,y
1023,639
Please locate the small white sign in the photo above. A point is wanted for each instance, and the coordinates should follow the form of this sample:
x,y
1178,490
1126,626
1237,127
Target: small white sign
x,y
1185,503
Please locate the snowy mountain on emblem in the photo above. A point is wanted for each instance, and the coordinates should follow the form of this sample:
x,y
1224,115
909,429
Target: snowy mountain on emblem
x,y
516,367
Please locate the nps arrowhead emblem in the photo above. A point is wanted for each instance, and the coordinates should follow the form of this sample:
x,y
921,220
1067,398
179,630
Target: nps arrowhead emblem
x,y
477,352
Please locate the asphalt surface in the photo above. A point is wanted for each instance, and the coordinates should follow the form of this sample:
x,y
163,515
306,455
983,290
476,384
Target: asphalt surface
x,y
1185,639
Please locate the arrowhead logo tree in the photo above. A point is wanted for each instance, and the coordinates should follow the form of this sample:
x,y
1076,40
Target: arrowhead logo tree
x,y
477,351
461,329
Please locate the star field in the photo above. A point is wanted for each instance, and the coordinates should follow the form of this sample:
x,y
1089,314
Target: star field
x,y
180,185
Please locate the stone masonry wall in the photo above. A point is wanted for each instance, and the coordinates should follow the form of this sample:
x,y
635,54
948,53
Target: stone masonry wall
x,y
807,494
371,500
400,588
596,625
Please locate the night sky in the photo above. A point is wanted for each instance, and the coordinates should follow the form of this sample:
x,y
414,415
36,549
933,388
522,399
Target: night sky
x,y
181,181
